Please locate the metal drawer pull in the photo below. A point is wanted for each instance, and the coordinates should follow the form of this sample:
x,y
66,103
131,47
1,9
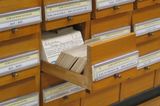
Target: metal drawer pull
x,y
117,76
14,30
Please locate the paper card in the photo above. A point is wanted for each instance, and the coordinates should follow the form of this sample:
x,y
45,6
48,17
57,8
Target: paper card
x,y
147,26
102,4
19,62
20,18
115,65
60,91
113,33
64,9
148,59
53,46
28,100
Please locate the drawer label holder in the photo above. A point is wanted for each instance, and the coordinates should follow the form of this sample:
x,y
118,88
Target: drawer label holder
x,y
148,59
60,91
66,9
20,18
27,100
113,66
19,62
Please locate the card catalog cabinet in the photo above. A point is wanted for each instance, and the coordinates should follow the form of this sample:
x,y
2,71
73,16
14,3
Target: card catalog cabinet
x,y
137,85
147,28
104,97
62,13
85,80
103,8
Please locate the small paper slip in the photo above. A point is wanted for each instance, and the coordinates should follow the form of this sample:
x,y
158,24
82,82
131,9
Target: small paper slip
x,y
102,4
19,62
69,8
60,91
28,100
148,59
20,18
147,26
115,65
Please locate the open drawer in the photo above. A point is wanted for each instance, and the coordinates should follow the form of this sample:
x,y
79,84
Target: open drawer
x,y
144,3
110,23
62,13
103,8
98,53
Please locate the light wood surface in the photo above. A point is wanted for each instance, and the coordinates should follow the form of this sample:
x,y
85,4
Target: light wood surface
x,y
152,102
144,3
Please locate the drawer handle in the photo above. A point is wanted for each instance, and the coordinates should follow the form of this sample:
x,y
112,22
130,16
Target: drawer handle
x,y
116,7
117,76
14,75
14,30
65,97
150,34
69,18
147,68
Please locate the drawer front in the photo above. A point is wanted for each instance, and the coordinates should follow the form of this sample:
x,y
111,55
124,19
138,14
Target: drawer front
x,y
110,23
102,98
19,32
148,47
12,5
17,76
115,79
142,14
152,102
157,78
144,3
19,88
70,100
48,81
20,45
113,10
51,25
129,88
148,38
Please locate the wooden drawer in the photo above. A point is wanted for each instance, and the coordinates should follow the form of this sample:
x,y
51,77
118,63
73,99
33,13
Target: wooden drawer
x,y
144,3
19,32
18,88
12,5
110,23
157,78
137,85
17,76
102,98
142,14
148,42
19,45
70,100
99,12
55,19
153,102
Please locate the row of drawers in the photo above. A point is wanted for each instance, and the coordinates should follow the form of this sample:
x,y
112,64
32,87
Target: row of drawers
x,y
109,95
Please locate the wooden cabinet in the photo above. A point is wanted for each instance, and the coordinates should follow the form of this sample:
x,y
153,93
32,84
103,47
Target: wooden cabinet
x,y
137,85
102,8
102,98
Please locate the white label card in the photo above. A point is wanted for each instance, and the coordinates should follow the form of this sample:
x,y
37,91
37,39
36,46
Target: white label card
x,y
148,59
147,26
70,8
28,100
20,18
19,62
115,65
113,33
60,91
102,4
